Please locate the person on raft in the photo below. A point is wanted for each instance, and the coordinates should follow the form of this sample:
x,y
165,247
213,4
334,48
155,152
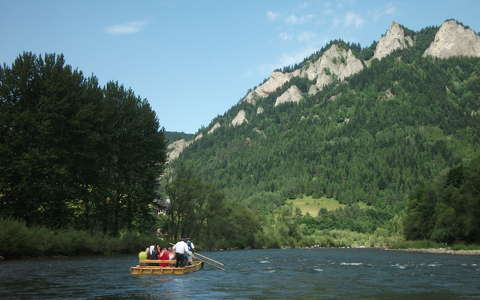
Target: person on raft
x,y
181,253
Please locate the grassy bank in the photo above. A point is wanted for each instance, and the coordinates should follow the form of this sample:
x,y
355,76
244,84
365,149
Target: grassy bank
x,y
310,205
17,240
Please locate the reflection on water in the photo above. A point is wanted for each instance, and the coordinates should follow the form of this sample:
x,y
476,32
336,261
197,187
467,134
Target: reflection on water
x,y
260,274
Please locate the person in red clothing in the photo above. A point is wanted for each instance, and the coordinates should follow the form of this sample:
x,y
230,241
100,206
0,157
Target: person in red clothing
x,y
163,255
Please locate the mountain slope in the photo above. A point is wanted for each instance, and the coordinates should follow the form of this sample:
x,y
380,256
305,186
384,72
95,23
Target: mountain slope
x,y
362,125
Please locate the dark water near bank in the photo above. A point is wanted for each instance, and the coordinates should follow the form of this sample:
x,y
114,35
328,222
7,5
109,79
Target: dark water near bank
x,y
257,274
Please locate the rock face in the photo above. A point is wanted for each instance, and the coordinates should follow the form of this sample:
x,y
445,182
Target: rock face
x,y
276,80
198,137
239,119
394,39
312,90
293,94
174,149
259,110
452,39
214,127
336,62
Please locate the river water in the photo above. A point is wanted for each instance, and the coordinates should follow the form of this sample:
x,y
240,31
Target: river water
x,y
253,274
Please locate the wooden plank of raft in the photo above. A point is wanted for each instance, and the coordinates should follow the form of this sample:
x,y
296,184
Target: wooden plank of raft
x,y
159,261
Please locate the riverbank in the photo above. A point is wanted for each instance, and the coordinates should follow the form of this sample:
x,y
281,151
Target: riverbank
x,y
19,241
437,251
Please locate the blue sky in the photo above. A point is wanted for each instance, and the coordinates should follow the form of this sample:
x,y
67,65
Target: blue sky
x,y
193,60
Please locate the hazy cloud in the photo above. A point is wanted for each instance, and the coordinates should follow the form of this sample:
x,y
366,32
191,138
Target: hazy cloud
x,y
285,36
349,19
328,11
126,28
304,5
294,58
294,19
272,16
388,10
353,19
306,36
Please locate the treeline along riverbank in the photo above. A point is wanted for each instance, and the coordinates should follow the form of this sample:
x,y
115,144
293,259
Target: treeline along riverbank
x,y
19,241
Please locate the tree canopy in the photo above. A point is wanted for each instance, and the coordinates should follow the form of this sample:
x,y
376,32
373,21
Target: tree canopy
x,y
73,153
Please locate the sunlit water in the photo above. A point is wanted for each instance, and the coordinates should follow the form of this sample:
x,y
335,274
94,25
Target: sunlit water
x,y
257,274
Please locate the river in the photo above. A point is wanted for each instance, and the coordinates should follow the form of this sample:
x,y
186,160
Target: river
x,y
253,274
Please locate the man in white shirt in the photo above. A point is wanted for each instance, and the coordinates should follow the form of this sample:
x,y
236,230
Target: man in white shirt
x,y
181,252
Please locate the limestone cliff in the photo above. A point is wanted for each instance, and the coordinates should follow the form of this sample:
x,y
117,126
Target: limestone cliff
x,y
452,39
394,39
239,119
336,62
276,80
293,94
214,127
174,149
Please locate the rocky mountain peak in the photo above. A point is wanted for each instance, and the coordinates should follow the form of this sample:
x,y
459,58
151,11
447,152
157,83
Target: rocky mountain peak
x,y
453,39
394,39
336,62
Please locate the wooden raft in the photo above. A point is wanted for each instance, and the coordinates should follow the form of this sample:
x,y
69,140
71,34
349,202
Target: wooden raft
x,y
142,268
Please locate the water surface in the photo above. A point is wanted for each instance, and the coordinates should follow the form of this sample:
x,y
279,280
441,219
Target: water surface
x,y
253,274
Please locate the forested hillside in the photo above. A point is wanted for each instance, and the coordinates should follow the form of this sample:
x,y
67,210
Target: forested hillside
x,y
371,137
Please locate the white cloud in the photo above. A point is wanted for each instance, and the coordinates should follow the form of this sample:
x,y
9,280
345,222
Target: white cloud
x,y
388,10
353,19
288,59
272,16
285,36
349,19
328,11
294,19
306,36
126,28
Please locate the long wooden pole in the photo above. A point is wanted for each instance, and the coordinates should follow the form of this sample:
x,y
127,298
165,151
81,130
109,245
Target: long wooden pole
x,y
205,257
208,260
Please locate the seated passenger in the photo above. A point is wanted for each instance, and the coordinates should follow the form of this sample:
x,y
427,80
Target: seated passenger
x,y
152,254
172,254
142,255
163,255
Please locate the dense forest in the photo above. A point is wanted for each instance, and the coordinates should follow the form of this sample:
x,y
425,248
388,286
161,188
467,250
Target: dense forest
x,y
448,208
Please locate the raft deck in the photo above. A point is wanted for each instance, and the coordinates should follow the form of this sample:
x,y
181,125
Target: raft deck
x,y
142,268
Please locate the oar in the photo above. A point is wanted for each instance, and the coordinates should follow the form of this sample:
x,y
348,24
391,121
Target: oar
x,y
209,261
